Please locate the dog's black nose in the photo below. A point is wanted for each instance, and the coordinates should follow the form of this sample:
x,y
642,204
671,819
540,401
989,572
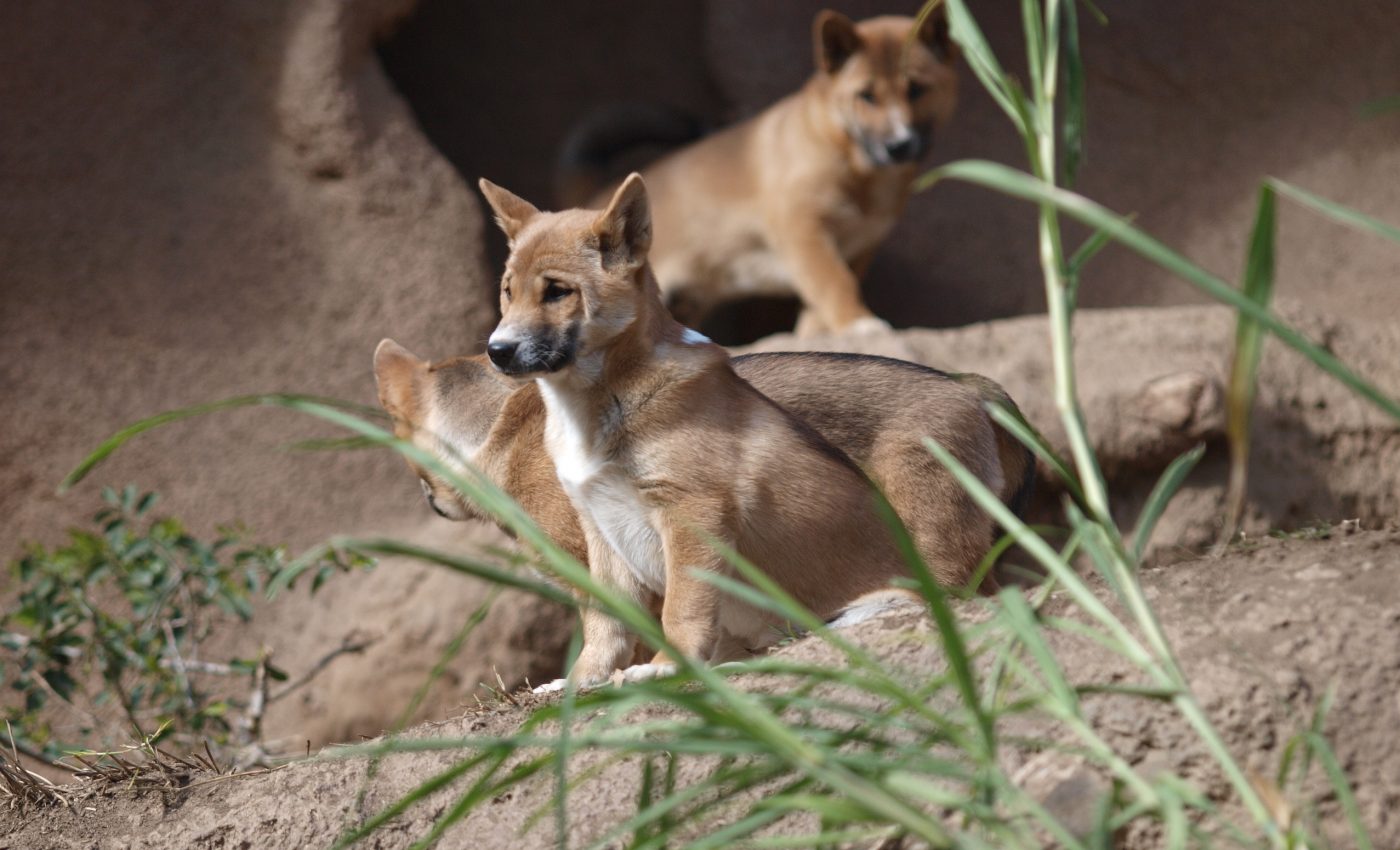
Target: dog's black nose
x,y
904,150
502,353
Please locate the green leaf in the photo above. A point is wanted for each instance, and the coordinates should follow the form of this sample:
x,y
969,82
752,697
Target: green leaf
x,y
963,29
1072,125
1162,493
1021,185
1244,368
1335,211
1342,787
111,444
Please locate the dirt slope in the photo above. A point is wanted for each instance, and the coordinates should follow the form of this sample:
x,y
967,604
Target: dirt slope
x,y
1263,633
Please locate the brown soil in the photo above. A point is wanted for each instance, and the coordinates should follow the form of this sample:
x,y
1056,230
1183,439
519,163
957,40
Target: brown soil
x,y
1263,633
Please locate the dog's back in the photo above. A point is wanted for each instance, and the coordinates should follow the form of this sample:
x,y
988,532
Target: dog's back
x,y
879,410
875,409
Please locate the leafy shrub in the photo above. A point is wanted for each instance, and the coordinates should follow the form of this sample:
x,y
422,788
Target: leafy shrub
x,y
109,627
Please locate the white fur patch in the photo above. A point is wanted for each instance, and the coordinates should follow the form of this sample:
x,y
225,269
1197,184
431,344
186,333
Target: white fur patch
x,y
567,437
758,271
643,672
867,325
635,673
694,337
600,489
617,509
870,606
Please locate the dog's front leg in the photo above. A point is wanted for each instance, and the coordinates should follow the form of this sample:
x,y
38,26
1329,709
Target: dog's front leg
x,y
607,645
827,285
690,610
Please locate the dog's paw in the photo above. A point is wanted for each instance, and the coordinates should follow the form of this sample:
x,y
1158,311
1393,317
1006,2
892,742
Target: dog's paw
x,y
550,687
867,326
643,672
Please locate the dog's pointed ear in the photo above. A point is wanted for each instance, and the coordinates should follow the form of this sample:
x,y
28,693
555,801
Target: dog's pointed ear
x,y
396,371
835,39
512,211
623,229
933,34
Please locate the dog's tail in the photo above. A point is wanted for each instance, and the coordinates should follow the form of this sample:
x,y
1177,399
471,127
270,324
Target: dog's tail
x,y
1017,461
594,146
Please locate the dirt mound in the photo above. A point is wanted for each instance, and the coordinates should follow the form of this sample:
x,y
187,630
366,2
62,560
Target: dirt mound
x,y
1263,633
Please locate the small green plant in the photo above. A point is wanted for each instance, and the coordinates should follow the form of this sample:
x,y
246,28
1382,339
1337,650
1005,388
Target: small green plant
x,y
105,638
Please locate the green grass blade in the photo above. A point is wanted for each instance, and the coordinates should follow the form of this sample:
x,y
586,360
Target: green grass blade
x,y
1072,125
1018,616
466,566
483,790
1162,493
1244,368
117,440
1342,788
1037,548
1018,427
404,803
954,646
1337,212
1021,185
979,57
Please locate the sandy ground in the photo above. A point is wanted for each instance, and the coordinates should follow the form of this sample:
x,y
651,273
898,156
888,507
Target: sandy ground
x,y
1262,632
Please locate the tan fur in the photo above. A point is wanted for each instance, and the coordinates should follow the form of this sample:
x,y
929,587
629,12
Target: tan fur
x,y
662,448
797,198
874,409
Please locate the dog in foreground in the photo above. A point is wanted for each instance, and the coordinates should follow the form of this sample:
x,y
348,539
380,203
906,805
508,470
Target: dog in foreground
x,y
798,198
664,451
874,409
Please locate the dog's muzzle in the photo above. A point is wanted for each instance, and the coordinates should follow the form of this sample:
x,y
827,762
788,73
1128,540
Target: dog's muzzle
x,y
903,147
518,356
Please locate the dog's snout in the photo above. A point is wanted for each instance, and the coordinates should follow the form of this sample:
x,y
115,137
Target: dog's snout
x,y
904,149
502,352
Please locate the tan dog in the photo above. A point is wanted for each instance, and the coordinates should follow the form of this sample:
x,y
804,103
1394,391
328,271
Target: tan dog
x,y
798,198
875,409
664,451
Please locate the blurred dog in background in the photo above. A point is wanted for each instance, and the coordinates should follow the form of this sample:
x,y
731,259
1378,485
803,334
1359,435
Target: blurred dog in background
x,y
798,198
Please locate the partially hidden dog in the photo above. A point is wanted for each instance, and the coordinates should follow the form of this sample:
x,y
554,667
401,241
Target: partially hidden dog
x,y
798,198
665,453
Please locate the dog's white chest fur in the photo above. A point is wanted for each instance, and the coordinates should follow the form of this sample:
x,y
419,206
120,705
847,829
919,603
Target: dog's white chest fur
x,y
600,489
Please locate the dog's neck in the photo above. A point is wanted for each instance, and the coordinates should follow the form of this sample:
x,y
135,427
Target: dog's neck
x,y
605,385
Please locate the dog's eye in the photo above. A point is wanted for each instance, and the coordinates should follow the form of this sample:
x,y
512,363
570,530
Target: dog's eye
x,y
867,94
916,89
505,290
553,291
